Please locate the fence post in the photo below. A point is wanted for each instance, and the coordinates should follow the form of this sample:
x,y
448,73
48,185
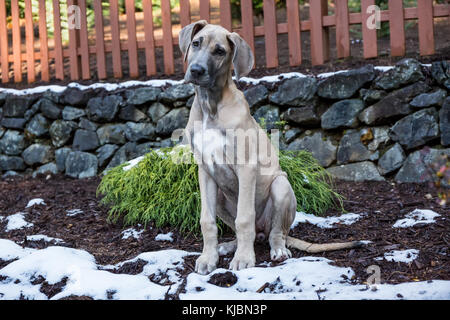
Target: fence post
x,y
426,26
132,40
149,39
270,33
115,38
205,10
29,38
43,41
84,42
397,28
73,48
320,43
369,35
248,32
225,14
4,43
16,41
58,48
342,29
167,37
294,33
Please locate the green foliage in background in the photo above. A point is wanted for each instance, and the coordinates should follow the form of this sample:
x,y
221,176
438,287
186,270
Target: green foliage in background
x,y
161,191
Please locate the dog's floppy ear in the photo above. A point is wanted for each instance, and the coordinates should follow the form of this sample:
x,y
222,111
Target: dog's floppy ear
x,y
243,58
187,34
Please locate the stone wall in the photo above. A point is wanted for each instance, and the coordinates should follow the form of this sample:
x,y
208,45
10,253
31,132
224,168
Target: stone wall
x,y
362,124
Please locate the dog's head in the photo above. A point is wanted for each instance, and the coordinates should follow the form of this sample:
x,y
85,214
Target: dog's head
x,y
210,51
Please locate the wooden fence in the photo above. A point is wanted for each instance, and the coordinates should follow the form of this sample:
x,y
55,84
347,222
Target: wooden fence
x,y
44,62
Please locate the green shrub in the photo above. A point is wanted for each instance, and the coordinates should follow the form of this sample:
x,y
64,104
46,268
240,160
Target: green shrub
x,y
160,191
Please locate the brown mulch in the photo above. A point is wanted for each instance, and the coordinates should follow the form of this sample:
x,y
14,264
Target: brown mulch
x,y
381,202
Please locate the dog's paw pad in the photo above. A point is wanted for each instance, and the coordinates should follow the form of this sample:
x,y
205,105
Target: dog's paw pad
x,y
280,254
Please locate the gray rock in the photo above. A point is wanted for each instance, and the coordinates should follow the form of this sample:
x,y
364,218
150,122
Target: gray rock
x,y
305,116
352,149
444,122
416,129
370,96
56,97
60,158
126,152
10,173
190,102
61,132
291,134
2,131
440,71
295,92
76,97
2,98
142,95
406,71
13,123
256,95
46,169
85,140
37,154
103,109
81,165
49,109
32,111
177,92
267,116
88,125
417,167
111,133
11,163
393,105
344,85
38,126
425,100
131,113
374,137
391,159
360,171
342,114
175,119
15,106
104,153
144,148
139,131
71,113
12,143
320,146
157,110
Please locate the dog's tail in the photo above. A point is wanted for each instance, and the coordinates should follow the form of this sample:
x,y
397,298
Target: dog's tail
x,y
316,247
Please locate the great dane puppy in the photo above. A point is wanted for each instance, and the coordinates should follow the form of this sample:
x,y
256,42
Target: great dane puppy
x,y
239,174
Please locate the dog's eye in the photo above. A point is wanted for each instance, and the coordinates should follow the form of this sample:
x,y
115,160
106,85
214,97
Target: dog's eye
x,y
196,43
219,51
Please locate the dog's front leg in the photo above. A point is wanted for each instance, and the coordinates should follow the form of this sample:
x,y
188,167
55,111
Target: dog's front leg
x,y
245,219
209,258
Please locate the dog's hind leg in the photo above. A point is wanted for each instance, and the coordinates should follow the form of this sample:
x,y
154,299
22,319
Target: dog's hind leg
x,y
224,212
284,206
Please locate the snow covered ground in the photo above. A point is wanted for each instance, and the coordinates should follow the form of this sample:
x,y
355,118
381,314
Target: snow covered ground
x,y
77,272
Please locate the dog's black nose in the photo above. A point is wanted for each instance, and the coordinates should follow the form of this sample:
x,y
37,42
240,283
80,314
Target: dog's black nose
x,y
197,70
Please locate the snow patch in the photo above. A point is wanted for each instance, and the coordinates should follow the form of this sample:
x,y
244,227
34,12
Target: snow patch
x,y
17,221
9,250
325,222
36,202
38,237
415,217
132,163
164,237
131,232
405,256
73,212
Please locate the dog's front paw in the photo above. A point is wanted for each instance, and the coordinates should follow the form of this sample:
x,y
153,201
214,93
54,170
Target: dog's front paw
x,y
206,263
280,254
242,261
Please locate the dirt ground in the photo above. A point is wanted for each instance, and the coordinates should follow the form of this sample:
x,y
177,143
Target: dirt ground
x,y
381,202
